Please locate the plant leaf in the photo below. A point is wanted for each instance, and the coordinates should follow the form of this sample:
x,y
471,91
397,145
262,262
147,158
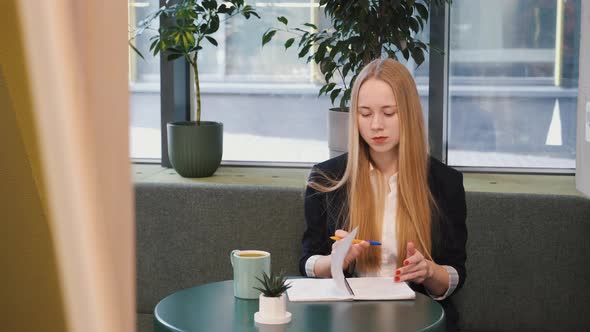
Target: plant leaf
x,y
414,25
304,50
214,25
330,86
421,21
273,285
334,94
223,9
268,36
418,55
158,47
211,40
345,69
406,53
422,10
174,56
289,42
283,20
345,98
322,90
209,4
136,50
154,43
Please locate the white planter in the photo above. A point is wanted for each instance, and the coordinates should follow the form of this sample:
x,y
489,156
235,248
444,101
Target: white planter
x,y
337,132
272,310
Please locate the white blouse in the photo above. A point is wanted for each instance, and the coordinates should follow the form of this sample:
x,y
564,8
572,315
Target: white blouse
x,y
389,236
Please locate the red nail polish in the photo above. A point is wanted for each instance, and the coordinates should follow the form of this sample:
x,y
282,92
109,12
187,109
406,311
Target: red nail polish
x,y
406,263
397,272
396,279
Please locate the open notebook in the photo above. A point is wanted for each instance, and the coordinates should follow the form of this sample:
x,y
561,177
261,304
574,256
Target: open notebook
x,y
346,289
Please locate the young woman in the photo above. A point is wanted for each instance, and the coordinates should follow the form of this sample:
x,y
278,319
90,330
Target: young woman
x,y
390,188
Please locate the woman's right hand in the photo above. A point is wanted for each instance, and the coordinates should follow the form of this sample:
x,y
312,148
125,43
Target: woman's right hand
x,y
354,251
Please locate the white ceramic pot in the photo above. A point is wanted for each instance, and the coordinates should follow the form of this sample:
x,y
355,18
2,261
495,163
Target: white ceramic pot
x,y
272,310
337,132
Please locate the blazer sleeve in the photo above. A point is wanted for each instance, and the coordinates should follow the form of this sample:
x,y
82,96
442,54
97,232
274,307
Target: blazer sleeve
x,y
455,232
315,237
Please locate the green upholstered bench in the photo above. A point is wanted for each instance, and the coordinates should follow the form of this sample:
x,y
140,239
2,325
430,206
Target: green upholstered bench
x,y
527,252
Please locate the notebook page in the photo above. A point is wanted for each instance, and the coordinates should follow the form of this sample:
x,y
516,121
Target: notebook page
x,y
337,258
311,289
381,288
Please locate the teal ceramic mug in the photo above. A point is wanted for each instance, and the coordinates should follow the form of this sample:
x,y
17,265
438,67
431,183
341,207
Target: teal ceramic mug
x,y
247,265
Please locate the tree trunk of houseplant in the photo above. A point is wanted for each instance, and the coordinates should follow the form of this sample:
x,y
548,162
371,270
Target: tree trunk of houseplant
x,y
195,148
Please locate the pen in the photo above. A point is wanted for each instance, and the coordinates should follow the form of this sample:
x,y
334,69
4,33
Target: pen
x,y
373,243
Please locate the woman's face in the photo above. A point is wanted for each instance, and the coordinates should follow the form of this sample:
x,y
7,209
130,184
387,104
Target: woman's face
x,y
377,116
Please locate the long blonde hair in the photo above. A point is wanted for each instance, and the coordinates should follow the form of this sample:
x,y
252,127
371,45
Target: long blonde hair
x,y
414,199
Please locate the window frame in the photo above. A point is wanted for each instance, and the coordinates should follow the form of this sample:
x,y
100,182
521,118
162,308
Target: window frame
x,y
175,103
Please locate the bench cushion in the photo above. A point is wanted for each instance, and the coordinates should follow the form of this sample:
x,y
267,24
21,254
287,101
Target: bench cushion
x,y
526,265
185,233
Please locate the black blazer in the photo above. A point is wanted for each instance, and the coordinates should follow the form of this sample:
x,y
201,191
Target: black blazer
x,y
326,212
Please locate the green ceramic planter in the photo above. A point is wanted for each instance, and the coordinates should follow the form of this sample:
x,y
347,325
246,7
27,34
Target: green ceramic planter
x,y
195,151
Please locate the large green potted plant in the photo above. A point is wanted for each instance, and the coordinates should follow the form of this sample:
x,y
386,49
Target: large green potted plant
x,y
360,32
195,147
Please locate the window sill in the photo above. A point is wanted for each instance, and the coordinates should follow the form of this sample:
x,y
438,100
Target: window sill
x,y
457,90
295,178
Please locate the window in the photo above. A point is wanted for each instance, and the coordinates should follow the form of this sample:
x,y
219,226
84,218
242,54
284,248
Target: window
x,y
144,89
513,76
265,97
513,83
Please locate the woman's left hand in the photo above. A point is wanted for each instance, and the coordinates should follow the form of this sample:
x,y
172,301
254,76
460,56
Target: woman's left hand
x,y
416,268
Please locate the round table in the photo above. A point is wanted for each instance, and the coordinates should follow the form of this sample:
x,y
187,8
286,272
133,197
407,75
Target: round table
x,y
213,307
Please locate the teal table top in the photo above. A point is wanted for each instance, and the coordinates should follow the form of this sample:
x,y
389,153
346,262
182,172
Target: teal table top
x,y
213,307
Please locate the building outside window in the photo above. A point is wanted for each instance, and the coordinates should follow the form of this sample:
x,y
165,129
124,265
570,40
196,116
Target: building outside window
x,y
513,83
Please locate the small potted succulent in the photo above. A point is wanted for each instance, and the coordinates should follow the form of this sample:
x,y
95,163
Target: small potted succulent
x,y
273,302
